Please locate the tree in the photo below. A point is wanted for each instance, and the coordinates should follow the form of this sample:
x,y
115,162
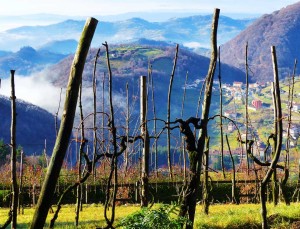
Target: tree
x,y
196,149
4,152
277,138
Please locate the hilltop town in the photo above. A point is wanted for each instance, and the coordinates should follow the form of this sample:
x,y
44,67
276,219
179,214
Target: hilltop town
x,y
260,123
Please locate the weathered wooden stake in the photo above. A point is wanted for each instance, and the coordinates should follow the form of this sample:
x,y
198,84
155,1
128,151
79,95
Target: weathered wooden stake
x,y
15,191
169,112
145,135
66,126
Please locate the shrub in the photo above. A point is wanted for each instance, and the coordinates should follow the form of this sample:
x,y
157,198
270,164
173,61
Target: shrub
x,y
161,218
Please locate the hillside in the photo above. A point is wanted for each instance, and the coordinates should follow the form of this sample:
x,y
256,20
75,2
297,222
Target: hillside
x,y
128,62
34,125
131,61
281,29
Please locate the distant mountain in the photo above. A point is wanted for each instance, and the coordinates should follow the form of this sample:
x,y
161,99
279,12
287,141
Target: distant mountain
x,y
63,47
27,60
193,30
13,21
281,29
34,126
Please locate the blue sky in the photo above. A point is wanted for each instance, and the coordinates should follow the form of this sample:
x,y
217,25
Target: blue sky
x,y
108,7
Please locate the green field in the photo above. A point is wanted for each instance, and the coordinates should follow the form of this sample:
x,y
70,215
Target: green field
x,y
221,216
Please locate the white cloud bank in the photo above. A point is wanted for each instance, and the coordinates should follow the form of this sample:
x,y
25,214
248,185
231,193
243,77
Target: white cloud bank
x,y
37,90
34,89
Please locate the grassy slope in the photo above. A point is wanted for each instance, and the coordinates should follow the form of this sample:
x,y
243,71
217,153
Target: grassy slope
x,y
221,216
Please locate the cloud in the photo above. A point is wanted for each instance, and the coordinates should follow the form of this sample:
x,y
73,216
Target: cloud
x,y
193,44
34,89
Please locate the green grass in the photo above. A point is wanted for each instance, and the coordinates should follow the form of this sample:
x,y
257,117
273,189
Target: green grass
x,y
154,52
118,63
220,216
245,216
91,217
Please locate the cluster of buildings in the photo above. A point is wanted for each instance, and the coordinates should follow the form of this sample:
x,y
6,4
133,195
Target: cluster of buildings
x,y
236,91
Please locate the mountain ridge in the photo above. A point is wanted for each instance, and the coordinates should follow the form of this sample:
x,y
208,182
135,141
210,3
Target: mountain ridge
x,y
192,29
27,61
279,29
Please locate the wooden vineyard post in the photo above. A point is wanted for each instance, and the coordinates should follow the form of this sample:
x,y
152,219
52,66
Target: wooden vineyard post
x,y
65,130
15,191
145,135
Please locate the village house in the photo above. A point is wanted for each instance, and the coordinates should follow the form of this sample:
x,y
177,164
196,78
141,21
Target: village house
x,y
263,84
296,107
259,149
255,88
295,132
231,127
238,95
230,114
293,142
256,103
237,84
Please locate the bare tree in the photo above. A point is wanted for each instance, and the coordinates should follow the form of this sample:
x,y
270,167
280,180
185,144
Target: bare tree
x,y
277,138
95,114
183,145
196,148
234,193
114,160
13,164
246,104
79,162
56,114
290,106
168,112
20,200
126,128
221,114
206,187
155,123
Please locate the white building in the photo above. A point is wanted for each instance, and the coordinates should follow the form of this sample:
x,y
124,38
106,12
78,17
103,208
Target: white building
x,y
296,107
294,132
